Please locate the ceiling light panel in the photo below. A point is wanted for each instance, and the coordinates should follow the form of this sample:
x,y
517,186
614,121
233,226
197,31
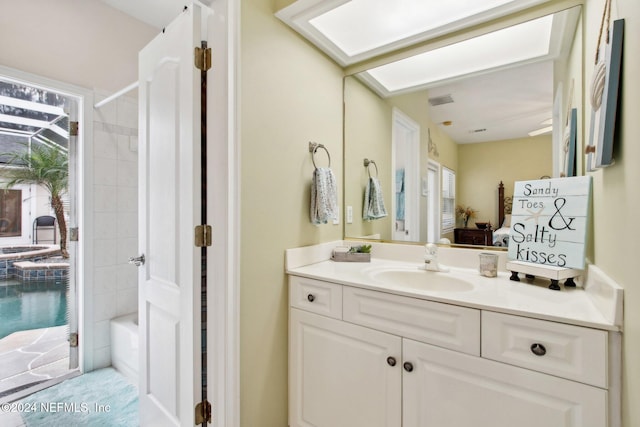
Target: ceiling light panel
x,y
362,25
506,47
355,30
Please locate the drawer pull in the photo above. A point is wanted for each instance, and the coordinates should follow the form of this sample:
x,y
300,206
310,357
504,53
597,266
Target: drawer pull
x,y
408,366
311,297
538,349
391,361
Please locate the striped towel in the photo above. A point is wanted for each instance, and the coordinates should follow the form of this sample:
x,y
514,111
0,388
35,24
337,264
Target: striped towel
x,y
324,196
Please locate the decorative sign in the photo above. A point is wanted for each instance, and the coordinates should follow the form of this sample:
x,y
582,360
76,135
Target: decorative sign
x,y
549,221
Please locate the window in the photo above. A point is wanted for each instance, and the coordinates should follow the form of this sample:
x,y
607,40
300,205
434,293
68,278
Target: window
x,y
10,213
448,200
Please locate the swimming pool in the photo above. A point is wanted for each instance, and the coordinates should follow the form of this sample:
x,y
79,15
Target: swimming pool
x,y
31,305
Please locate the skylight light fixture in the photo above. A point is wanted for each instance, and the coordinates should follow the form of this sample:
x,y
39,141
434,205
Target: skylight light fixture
x,y
361,25
355,30
507,47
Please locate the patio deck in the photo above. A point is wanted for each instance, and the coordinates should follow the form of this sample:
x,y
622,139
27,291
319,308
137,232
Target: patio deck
x,y
31,357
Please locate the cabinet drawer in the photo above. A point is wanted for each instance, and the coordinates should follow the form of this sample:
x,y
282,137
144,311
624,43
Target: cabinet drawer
x,y
316,296
443,325
572,352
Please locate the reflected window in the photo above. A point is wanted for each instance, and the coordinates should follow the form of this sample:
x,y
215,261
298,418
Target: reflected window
x,y
10,213
448,200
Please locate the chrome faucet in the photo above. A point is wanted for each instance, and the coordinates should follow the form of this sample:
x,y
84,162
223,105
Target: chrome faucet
x,y
431,259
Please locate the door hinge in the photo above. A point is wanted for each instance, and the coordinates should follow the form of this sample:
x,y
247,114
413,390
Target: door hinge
x,y
73,339
73,234
73,128
203,235
203,412
202,58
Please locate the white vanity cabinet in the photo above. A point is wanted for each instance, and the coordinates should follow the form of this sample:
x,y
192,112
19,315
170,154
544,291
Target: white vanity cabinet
x,y
365,358
343,375
446,388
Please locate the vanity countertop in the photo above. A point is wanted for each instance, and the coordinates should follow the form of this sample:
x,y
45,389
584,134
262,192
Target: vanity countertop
x,y
570,305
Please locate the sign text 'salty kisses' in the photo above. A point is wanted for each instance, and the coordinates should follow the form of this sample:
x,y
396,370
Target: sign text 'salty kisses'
x,y
549,221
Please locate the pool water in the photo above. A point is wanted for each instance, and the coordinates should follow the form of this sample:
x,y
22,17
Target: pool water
x,y
32,305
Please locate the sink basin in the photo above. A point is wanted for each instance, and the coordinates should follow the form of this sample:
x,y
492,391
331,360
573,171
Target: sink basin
x,y
421,279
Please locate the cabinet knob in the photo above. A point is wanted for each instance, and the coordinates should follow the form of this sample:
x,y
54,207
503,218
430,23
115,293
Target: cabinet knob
x,y
311,297
391,361
538,349
408,366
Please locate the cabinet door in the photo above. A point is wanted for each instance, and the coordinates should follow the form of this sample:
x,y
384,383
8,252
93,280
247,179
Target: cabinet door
x,y
339,375
450,389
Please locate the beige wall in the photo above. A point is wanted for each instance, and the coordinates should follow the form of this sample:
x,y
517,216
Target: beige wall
x,y
367,135
291,94
615,194
482,166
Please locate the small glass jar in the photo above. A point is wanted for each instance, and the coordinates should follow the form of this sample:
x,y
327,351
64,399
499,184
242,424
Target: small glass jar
x,y
488,264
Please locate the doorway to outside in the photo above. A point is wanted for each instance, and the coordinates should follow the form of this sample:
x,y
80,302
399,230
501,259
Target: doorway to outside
x,y
38,261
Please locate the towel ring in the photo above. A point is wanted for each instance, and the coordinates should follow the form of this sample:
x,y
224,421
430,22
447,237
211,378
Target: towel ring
x,y
313,147
368,162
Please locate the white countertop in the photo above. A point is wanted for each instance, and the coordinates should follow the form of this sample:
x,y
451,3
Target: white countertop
x,y
571,305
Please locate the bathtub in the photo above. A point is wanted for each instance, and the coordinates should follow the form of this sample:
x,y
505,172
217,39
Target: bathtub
x,y
124,346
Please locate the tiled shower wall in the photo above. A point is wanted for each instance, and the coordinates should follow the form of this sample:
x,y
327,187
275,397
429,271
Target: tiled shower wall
x,y
115,176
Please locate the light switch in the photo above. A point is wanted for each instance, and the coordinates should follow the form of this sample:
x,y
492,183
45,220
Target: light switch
x,y
349,214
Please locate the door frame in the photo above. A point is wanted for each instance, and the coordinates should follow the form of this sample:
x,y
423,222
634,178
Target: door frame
x,y
223,181
434,209
411,174
84,261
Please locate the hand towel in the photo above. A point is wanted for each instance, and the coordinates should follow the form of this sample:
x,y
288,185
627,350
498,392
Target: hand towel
x,y
400,194
324,196
373,201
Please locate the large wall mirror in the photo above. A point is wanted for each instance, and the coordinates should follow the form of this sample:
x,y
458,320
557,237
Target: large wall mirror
x,y
435,139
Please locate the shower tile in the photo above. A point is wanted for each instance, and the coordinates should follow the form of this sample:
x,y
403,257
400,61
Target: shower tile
x,y
104,306
101,334
127,278
102,357
104,224
128,148
127,302
105,172
127,224
126,248
104,280
106,145
127,175
127,199
127,112
105,198
104,252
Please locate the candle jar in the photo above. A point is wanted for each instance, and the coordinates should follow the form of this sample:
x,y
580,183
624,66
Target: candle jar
x,y
488,264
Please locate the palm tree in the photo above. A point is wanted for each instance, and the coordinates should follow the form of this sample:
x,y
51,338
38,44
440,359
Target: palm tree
x,y
46,166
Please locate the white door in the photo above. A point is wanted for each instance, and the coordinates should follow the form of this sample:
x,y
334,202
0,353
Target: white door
x,y
406,178
342,375
447,388
169,209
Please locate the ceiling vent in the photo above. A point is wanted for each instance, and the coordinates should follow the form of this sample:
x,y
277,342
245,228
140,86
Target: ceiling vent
x,y
478,130
440,100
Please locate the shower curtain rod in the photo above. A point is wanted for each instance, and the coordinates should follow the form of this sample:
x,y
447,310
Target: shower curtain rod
x,y
116,95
